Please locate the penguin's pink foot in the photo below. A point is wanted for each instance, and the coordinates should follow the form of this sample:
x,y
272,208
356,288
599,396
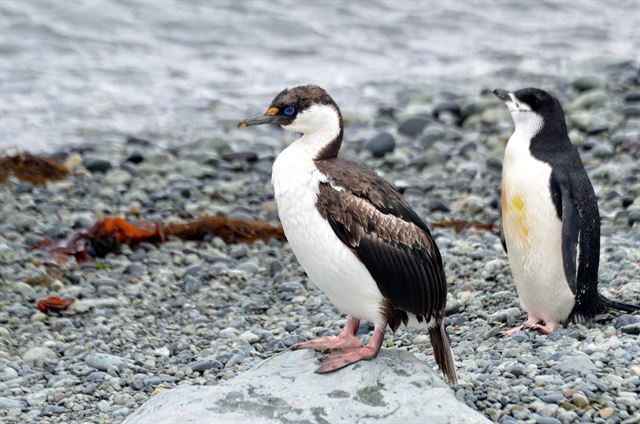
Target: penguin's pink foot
x,y
345,340
529,323
328,344
514,330
547,328
336,360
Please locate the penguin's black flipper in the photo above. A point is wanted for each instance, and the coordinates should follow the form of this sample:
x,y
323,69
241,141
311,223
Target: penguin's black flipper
x,y
570,233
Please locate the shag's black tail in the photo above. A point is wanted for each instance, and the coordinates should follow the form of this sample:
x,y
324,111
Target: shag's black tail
x,y
621,306
442,350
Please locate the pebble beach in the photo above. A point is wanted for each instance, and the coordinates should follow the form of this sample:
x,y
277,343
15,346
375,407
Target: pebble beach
x,y
198,313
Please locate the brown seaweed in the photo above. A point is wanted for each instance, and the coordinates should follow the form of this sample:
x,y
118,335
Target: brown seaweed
x,y
230,230
109,234
31,168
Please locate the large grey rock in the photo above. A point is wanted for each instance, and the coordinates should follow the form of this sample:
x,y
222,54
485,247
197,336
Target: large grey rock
x,y
395,387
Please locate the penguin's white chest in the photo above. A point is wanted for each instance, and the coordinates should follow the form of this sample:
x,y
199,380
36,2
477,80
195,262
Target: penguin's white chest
x,y
533,234
330,264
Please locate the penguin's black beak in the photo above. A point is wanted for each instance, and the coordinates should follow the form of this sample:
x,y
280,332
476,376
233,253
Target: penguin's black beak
x,y
502,95
271,116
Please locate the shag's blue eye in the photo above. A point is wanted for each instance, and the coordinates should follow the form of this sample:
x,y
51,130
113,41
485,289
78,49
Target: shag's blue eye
x,y
290,111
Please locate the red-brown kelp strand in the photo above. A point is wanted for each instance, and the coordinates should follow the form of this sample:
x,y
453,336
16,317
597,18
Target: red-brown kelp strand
x,y
109,234
230,230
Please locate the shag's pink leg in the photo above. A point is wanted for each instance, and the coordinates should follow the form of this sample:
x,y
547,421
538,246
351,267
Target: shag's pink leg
x,y
548,327
345,340
336,360
531,321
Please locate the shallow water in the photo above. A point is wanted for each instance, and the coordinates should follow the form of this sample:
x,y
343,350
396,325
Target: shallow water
x,y
176,71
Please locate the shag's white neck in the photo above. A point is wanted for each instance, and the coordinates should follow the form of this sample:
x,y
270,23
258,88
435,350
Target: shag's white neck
x,y
319,125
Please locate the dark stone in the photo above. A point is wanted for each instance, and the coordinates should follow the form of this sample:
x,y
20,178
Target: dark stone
x,y
432,134
631,111
275,267
413,192
192,284
597,126
95,164
135,157
291,286
276,346
180,191
238,251
634,96
547,420
240,156
134,270
633,217
520,336
53,410
587,82
131,168
82,222
33,240
386,112
106,282
626,201
631,329
624,320
23,188
193,270
365,328
96,377
291,327
206,364
60,156
138,141
139,382
414,126
447,106
518,370
436,205
380,144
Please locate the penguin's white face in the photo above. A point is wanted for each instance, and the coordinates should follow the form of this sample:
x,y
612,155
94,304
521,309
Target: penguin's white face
x,y
515,105
527,122
525,119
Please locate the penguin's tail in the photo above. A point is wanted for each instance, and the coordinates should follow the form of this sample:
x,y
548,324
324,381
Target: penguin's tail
x,y
442,349
590,304
621,306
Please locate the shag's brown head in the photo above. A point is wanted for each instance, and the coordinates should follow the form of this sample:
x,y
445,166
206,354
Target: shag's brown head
x,y
291,104
307,109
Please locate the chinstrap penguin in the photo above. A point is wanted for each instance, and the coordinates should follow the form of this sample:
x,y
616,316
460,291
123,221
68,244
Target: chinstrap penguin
x,y
550,219
354,234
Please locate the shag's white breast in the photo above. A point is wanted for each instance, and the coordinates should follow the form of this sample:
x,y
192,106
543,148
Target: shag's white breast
x,y
533,233
330,264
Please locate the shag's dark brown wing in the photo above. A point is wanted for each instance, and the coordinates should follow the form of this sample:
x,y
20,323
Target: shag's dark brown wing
x,y
370,216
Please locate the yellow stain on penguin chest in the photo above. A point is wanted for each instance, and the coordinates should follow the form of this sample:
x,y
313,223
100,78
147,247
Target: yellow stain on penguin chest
x,y
515,210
